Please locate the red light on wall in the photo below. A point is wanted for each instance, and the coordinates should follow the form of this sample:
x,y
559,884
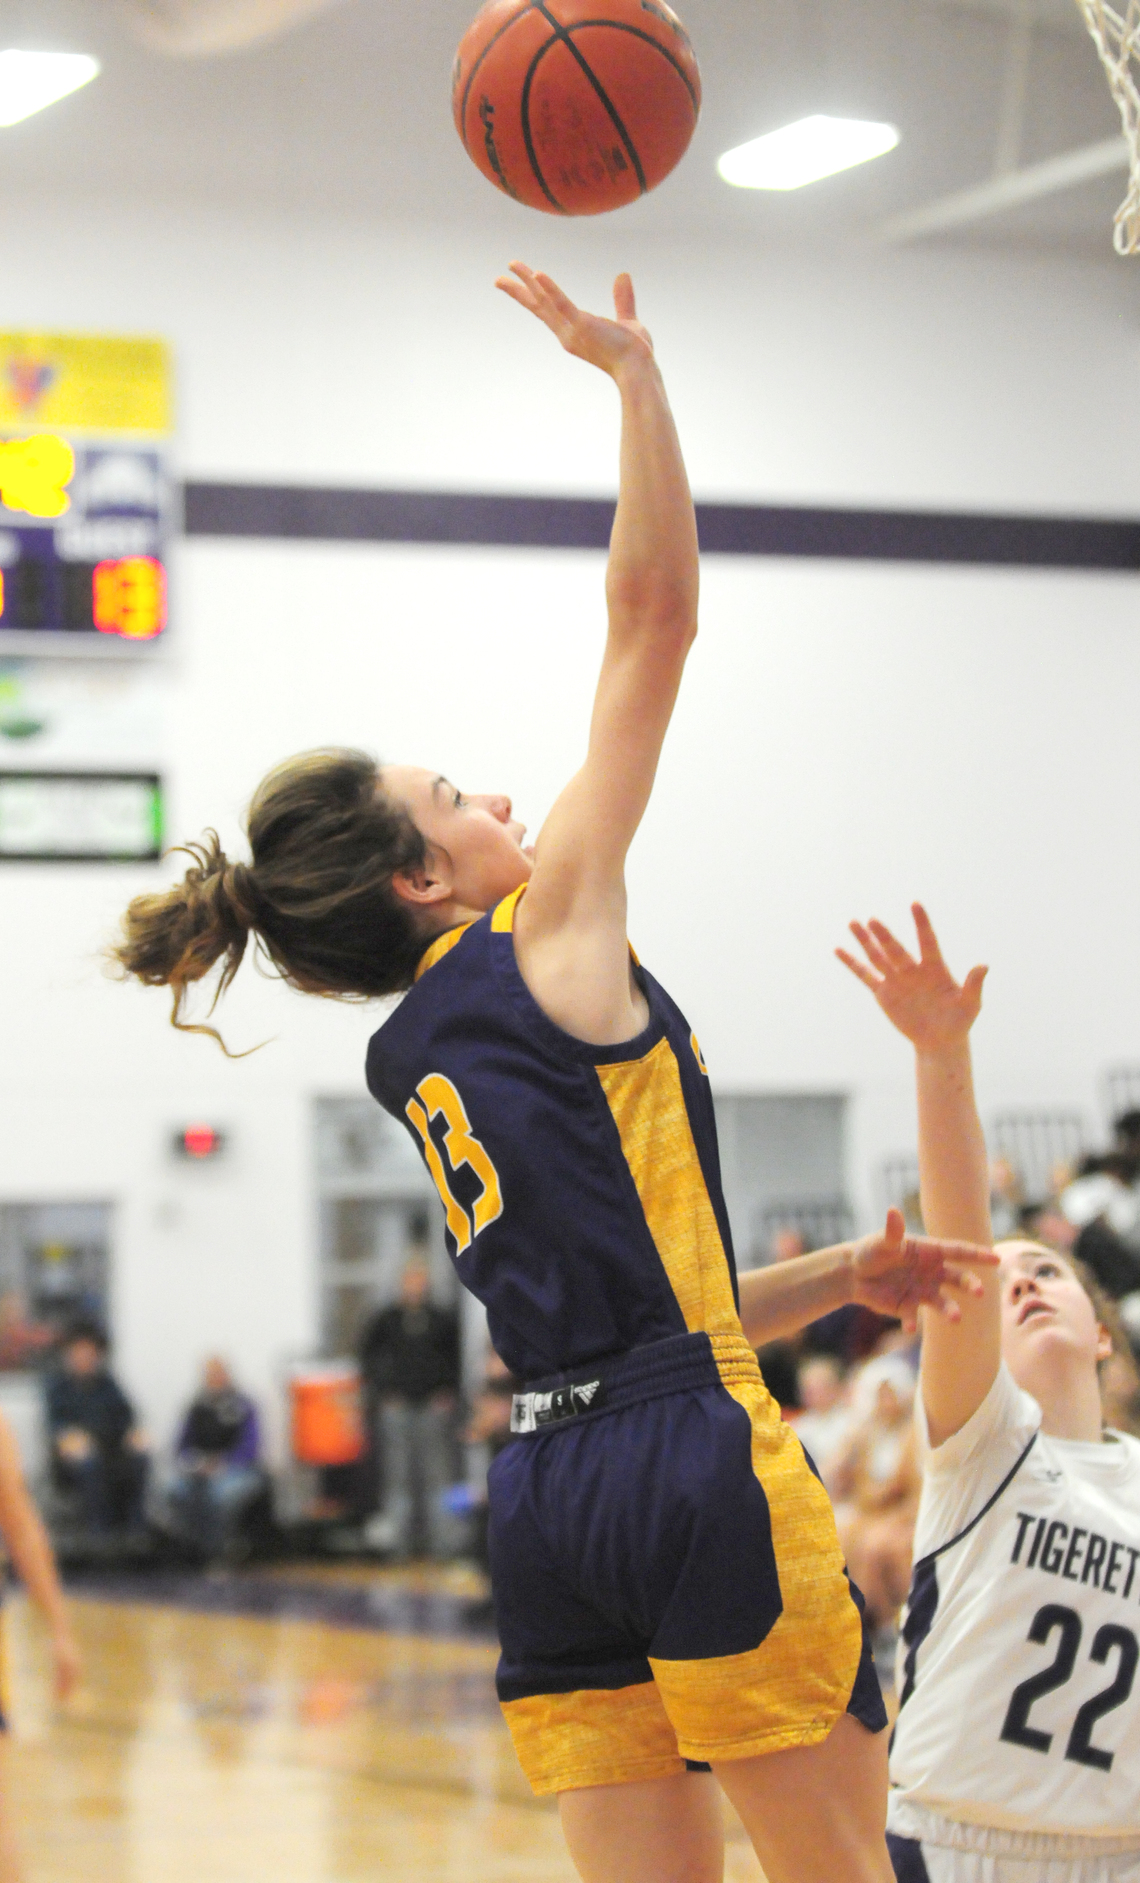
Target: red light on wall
x,y
128,597
199,1142
1,593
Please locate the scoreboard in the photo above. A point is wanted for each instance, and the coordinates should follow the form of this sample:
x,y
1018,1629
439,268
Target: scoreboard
x,y
85,491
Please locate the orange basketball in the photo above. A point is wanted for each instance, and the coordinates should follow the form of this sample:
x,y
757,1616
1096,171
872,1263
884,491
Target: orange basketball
x,y
576,106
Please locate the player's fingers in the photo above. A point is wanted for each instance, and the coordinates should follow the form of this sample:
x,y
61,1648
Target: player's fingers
x,y
947,1306
524,273
891,946
857,968
968,1254
518,291
972,985
625,307
562,302
895,1230
927,940
540,300
962,1279
870,947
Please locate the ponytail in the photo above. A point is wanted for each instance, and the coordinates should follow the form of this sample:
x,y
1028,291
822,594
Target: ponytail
x,y
317,894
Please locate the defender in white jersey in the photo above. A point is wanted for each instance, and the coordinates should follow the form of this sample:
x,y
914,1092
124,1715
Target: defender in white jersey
x,y
1016,1756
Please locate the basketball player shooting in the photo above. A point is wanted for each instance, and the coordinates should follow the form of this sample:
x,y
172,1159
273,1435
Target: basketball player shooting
x,y
669,1589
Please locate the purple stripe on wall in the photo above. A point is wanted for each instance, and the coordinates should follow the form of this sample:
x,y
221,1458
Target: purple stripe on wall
x,y
318,514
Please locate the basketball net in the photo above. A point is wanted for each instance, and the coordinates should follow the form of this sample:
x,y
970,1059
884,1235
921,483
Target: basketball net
x,y
1117,39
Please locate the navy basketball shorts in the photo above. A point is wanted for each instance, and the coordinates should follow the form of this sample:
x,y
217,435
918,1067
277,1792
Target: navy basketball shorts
x,y
668,1582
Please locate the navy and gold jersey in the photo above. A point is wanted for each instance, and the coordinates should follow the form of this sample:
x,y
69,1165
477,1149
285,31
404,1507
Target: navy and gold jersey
x,y
581,1183
668,1581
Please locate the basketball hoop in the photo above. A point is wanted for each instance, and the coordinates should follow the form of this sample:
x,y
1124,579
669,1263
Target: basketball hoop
x,y
1117,39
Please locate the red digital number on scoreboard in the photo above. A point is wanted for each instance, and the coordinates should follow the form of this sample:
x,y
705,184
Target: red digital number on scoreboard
x,y
128,597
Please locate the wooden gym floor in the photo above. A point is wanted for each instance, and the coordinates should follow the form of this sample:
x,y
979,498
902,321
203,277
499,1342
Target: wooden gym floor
x,y
275,1750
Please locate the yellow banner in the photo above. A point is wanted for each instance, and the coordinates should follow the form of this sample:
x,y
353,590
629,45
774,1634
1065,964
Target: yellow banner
x,y
83,383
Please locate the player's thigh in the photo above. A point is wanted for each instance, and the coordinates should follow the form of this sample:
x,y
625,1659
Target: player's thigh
x,y
659,1830
816,1813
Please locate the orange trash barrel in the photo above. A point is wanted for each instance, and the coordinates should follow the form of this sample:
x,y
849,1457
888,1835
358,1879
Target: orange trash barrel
x,y
326,1416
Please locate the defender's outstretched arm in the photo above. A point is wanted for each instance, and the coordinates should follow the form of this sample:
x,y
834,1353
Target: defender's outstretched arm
x,y
890,1272
570,932
921,998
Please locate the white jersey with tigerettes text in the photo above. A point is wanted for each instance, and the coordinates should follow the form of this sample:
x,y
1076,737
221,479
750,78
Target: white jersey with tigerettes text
x,y
1018,1676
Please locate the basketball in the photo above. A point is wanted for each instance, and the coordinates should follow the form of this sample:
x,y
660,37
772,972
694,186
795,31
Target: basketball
x,y
576,106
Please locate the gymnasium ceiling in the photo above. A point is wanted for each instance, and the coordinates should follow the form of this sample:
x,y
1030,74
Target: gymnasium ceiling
x,y
348,114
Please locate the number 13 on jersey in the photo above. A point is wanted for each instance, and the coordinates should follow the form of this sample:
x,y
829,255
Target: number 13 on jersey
x,y
436,1097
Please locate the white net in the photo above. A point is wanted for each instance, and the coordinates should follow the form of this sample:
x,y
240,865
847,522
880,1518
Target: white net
x,y
1117,38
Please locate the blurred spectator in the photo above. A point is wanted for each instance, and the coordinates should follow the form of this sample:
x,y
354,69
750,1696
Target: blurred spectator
x,y
97,1447
876,1482
217,1475
23,1343
1104,1187
410,1359
786,1244
824,1425
1126,1136
1102,1205
1044,1222
489,1427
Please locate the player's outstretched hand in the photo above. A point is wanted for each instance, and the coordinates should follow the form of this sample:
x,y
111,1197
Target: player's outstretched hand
x,y
608,344
897,1274
921,998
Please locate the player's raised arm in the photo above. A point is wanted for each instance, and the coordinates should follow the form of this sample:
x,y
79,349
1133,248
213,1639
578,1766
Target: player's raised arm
x,y
921,998
570,932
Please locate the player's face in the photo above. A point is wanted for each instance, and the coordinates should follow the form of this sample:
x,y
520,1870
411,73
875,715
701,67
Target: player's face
x,y
1047,1318
477,835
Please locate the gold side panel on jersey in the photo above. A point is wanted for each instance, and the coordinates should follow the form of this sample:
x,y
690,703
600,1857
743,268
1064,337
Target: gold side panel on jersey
x,y
442,945
503,920
791,1689
565,1741
648,1106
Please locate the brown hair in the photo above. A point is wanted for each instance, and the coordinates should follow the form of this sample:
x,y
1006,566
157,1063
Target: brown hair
x,y
317,895
1119,1376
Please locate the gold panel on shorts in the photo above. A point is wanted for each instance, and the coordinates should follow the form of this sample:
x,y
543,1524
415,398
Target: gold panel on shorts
x,y
565,1741
791,1690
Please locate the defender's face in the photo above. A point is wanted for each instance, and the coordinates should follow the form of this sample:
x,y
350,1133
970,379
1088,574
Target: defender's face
x,y
477,835
1047,1318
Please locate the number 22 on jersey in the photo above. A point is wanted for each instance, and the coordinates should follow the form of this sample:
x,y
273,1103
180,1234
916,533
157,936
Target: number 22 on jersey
x,y
436,1097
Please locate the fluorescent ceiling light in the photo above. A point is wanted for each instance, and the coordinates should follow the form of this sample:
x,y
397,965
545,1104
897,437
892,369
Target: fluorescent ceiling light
x,y
31,80
805,151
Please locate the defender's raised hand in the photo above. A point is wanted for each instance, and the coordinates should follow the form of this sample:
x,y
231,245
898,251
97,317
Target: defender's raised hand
x,y
921,998
607,344
897,1274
